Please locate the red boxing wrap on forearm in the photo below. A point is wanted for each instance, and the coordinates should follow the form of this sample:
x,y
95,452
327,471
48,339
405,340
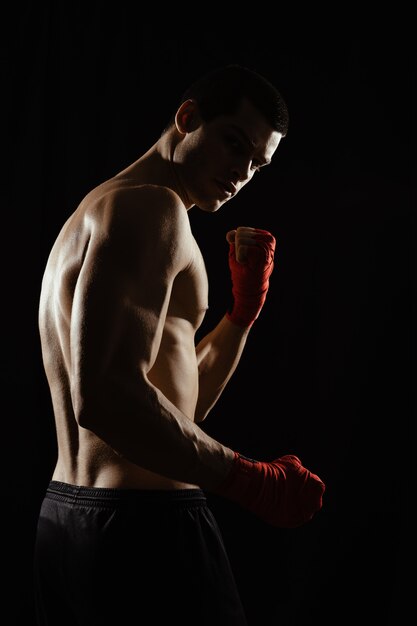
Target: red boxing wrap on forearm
x,y
283,492
250,279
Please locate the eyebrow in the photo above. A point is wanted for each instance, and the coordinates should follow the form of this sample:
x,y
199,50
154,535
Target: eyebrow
x,y
243,135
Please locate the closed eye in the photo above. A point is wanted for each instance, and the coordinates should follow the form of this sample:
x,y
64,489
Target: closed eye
x,y
240,149
235,144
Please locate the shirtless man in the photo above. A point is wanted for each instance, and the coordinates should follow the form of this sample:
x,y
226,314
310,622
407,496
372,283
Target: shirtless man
x,y
124,527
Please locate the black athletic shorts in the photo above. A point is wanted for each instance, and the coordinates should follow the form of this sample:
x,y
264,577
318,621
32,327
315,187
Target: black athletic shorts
x,y
130,557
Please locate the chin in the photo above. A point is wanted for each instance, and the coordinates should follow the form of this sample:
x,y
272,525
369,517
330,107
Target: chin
x,y
210,206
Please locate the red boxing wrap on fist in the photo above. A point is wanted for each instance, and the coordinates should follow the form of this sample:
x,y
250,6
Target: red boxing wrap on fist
x,y
250,279
283,492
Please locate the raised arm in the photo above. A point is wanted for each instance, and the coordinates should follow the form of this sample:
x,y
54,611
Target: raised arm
x,y
251,261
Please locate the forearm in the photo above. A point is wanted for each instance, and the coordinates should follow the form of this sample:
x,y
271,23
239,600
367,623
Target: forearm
x,y
251,261
218,355
144,427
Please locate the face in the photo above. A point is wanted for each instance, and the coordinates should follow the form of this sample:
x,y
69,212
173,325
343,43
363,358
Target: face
x,y
214,160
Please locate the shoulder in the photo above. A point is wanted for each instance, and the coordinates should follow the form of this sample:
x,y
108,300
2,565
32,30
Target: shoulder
x,y
144,217
139,205
155,196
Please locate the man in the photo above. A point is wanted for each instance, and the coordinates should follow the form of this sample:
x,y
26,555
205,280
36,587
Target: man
x,y
124,530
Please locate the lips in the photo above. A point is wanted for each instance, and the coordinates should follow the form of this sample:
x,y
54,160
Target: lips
x,y
228,188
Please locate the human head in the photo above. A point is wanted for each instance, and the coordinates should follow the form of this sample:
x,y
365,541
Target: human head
x,y
222,90
227,127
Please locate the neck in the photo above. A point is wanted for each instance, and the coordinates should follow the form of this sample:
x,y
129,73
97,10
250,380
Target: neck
x,y
157,167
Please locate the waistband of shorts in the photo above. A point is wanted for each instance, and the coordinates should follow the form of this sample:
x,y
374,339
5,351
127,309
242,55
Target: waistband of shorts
x,y
102,496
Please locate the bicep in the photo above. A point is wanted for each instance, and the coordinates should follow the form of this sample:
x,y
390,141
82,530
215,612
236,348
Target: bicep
x,y
112,306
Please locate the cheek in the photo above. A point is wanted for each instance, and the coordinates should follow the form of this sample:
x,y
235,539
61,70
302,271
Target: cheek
x,y
214,152
204,161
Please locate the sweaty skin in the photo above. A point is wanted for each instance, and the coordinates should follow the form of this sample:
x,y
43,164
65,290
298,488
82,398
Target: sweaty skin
x,y
125,290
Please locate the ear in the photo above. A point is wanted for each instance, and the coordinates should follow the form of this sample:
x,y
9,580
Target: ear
x,y
187,118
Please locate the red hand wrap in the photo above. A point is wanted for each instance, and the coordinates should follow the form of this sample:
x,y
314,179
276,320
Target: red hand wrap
x,y
250,280
282,493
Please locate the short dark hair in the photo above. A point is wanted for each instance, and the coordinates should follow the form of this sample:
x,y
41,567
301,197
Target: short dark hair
x,y
220,92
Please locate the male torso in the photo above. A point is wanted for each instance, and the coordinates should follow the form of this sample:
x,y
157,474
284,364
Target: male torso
x,y
83,458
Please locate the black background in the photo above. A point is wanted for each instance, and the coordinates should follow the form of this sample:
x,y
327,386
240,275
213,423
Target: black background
x,y
326,373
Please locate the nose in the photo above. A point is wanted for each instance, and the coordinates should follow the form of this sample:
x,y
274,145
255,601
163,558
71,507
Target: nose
x,y
241,171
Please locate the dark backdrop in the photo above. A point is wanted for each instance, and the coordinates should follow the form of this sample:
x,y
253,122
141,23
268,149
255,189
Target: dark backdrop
x,y
326,374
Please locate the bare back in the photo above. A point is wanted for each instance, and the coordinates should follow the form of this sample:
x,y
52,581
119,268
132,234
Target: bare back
x,y
144,321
